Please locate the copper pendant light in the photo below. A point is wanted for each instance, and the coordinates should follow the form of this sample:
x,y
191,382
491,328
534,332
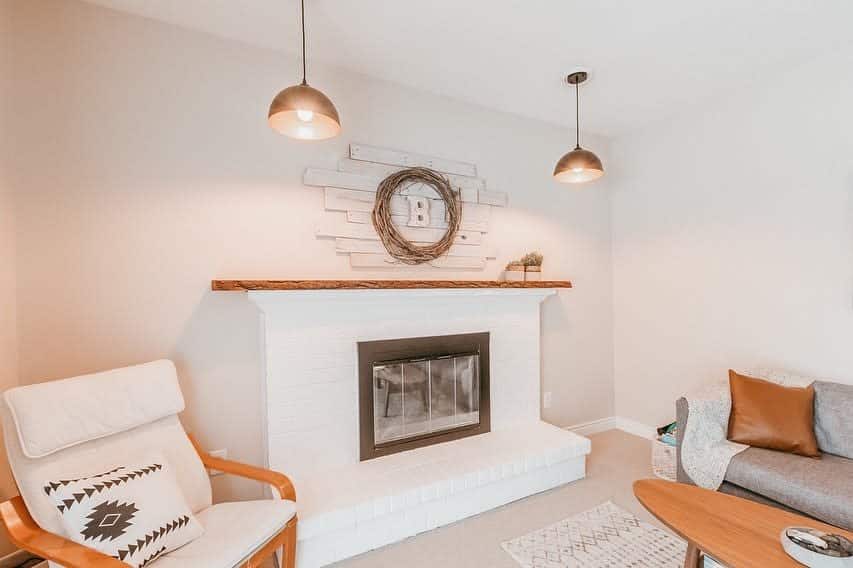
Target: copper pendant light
x,y
579,165
303,112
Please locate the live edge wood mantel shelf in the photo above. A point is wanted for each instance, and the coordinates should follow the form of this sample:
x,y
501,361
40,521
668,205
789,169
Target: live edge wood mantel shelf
x,y
247,285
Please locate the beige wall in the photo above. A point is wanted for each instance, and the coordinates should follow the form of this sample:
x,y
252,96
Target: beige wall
x,y
8,328
733,239
148,169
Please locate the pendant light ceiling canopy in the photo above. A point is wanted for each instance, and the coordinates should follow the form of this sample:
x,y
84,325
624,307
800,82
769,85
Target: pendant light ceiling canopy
x,y
579,165
303,112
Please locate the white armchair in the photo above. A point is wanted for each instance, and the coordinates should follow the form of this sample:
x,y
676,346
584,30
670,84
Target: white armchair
x,y
74,427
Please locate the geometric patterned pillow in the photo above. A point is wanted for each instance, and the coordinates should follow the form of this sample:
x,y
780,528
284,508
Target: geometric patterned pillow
x,y
132,513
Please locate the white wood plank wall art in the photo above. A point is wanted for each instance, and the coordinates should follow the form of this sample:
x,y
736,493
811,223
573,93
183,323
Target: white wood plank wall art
x,y
350,192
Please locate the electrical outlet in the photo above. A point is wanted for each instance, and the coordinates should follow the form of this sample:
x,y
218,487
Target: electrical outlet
x,y
546,399
221,454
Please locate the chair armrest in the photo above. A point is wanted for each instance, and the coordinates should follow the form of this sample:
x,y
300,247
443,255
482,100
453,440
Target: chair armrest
x,y
278,480
27,535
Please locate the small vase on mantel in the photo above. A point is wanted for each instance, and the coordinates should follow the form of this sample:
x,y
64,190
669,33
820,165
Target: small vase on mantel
x,y
533,273
514,272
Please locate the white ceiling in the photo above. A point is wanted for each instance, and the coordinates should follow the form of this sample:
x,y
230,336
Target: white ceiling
x,y
649,58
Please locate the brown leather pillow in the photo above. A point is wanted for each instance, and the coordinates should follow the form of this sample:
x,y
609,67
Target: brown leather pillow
x,y
767,415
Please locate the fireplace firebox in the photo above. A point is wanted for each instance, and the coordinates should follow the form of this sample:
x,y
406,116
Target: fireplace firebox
x,y
419,391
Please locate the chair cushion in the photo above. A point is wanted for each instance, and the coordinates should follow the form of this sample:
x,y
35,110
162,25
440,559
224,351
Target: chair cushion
x,y
52,416
165,436
833,426
133,512
819,488
232,532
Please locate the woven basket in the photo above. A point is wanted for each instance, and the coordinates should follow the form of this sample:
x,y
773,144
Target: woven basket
x,y
663,460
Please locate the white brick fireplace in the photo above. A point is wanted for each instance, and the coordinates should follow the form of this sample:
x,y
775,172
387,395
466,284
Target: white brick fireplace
x,y
311,396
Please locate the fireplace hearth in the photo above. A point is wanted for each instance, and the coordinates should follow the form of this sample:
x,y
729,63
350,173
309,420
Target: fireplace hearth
x,y
420,391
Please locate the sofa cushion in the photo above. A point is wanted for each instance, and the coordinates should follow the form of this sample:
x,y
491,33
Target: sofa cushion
x,y
819,488
833,426
56,415
232,532
767,415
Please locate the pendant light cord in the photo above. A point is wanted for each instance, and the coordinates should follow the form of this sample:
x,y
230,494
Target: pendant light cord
x,y
304,81
577,117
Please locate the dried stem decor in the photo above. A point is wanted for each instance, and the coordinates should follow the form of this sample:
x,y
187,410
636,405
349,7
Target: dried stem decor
x,y
395,243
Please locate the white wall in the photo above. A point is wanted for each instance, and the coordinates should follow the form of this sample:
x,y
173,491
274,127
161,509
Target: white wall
x,y
733,240
8,339
148,169
8,327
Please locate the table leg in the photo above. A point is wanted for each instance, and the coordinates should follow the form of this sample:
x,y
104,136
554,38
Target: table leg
x,y
693,558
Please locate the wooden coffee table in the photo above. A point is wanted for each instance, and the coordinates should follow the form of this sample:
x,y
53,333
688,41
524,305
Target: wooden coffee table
x,y
737,532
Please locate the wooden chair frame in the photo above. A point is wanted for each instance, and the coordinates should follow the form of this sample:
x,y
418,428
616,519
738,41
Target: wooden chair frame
x,y
27,535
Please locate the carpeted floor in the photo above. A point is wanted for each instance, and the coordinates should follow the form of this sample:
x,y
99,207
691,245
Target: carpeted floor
x,y
617,460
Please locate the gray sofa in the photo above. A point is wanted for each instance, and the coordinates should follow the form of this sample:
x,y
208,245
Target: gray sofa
x,y
819,488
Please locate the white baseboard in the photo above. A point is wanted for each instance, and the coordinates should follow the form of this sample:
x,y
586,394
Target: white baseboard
x,y
636,428
594,426
615,423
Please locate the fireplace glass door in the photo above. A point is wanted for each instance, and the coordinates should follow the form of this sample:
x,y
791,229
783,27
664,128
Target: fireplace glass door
x,y
418,391
422,396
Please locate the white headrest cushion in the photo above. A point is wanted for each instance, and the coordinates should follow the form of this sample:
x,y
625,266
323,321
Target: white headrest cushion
x,y
56,415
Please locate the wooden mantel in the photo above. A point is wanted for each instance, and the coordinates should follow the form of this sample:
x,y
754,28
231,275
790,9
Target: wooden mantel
x,y
246,285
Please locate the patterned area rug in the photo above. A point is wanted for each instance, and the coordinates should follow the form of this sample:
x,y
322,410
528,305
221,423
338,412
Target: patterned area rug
x,y
603,537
